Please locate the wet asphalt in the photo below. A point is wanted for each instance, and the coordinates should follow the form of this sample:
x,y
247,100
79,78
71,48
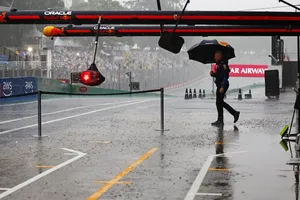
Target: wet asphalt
x,y
121,154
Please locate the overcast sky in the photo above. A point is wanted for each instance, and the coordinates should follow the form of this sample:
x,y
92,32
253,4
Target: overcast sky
x,y
238,4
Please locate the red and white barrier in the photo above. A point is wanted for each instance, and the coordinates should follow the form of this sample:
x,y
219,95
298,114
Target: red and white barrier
x,y
182,84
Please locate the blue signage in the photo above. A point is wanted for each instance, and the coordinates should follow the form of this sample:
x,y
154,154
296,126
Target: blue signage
x,y
16,86
3,58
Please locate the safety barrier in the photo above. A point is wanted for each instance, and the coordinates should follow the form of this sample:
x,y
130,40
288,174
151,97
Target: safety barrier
x,y
39,94
24,85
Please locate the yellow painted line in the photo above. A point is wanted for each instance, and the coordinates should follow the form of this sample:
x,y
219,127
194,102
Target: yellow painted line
x,y
123,173
119,182
219,143
102,142
44,166
217,169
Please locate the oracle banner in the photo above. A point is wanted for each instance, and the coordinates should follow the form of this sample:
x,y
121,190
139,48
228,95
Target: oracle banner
x,y
240,70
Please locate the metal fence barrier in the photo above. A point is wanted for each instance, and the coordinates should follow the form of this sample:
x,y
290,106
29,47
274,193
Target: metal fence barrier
x,y
40,93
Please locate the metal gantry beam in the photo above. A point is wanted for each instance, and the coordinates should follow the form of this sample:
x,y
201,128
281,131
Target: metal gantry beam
x,y
150,17
155,30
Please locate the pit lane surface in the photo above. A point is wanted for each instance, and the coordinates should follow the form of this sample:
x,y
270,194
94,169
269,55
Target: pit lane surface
x,y
108,148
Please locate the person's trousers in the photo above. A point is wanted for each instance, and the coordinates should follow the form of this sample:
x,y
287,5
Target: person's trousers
x,y
221,104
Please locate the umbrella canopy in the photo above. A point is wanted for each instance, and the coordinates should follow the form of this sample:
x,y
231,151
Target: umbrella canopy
x,y
204,51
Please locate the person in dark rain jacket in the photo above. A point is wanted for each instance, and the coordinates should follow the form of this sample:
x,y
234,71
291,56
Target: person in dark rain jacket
x,y
221,80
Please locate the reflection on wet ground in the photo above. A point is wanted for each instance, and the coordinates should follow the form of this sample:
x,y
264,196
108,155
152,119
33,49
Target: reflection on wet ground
x,y
115,151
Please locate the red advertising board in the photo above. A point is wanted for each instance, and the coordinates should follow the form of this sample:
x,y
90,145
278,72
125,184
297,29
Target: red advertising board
x,y
242,70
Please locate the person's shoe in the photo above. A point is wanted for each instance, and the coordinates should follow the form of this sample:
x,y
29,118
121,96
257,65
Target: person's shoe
x,y
218,123
236,116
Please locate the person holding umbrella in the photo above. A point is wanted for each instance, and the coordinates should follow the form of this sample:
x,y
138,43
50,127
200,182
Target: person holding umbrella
x,y
221,80
214,51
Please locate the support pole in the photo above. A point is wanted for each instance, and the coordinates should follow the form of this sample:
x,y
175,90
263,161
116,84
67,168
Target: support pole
x,y
161,25
298,59
49,63
130,82
213,81
39,114
182,12
39,102
97,39
162,111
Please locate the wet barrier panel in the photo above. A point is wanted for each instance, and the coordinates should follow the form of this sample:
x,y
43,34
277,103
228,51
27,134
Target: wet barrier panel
x,y
24,85
17,86
93,90
53,85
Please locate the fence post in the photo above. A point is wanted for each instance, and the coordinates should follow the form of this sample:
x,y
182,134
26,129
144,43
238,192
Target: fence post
x,y
39,102
39,114
162,111
162,114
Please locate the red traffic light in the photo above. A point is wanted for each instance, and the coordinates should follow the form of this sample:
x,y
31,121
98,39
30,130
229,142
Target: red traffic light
x,y
91,78
86,76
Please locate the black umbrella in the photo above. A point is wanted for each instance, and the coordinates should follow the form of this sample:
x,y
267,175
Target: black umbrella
x,y
204,51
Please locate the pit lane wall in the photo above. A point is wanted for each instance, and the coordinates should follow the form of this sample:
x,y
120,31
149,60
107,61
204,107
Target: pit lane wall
x,y
16,86
25,85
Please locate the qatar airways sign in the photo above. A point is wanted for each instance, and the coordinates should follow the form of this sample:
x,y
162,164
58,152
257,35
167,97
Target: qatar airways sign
x,y
238,70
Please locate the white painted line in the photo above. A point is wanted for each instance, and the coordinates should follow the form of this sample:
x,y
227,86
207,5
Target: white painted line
x,y
74,151
60,111
101,142
230,153
69,154
43,100
200,177
16,104
74,116
234,144
209,194
45,173
31,102
4,189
